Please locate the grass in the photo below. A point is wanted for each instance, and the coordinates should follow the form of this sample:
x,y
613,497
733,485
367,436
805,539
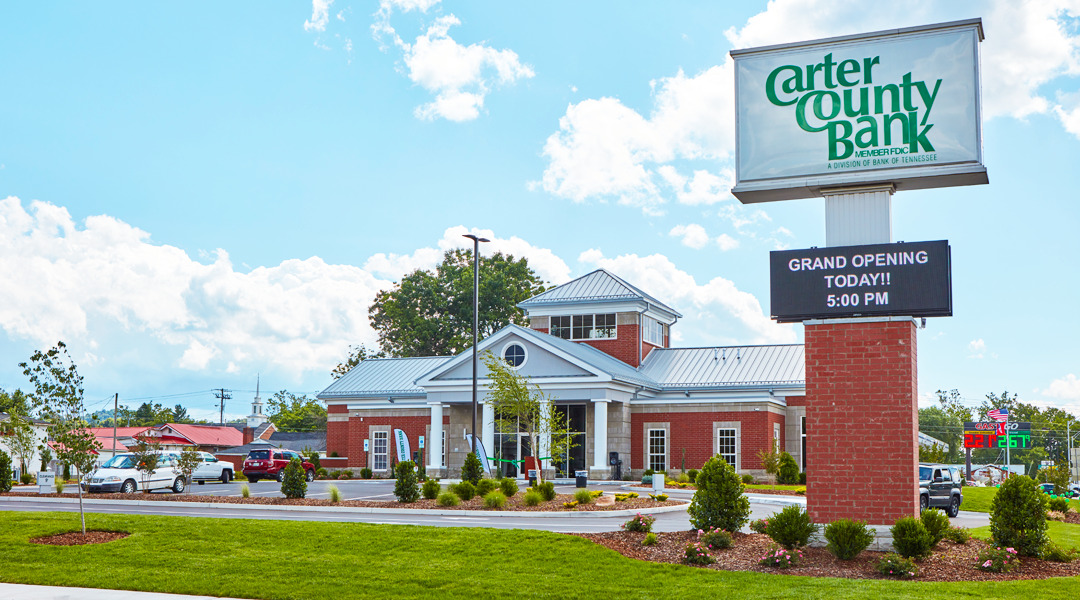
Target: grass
x,y
1065,535
978,499
296,559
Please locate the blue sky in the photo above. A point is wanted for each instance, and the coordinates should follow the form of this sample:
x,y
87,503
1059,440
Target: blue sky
x,y
196,196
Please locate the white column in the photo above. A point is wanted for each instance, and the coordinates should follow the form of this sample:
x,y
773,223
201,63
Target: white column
x,y
544,447
487,436
858,215
600,452
434,442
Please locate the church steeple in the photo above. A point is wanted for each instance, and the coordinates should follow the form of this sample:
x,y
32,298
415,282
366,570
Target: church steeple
x,y
256,417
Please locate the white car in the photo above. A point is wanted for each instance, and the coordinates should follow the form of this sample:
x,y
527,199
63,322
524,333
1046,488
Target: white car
x,y
212,469
118,474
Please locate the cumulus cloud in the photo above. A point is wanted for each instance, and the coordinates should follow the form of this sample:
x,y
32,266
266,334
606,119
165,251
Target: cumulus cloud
x,y
1066,388
694,236
459,76
320,15
977,348
722,313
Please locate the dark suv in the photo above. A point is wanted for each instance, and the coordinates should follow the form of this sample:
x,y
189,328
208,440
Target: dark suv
x,y
940,487
271,463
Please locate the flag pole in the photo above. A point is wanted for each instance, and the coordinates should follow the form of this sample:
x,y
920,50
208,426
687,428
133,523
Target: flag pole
x,y
1008,447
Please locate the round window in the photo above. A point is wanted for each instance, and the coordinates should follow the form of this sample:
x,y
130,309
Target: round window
x,y
514,354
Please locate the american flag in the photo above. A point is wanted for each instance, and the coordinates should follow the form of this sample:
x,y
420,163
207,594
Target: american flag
x,y
1001,415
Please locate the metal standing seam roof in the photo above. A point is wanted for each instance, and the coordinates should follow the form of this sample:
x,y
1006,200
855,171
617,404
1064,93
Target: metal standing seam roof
x,y
586,353
376,377
726,366
600,285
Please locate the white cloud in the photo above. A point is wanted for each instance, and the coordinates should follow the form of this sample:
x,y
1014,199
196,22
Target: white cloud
x,y
721,312
977,348
726,242
1066,388
320,15
459,76
703,188
692,235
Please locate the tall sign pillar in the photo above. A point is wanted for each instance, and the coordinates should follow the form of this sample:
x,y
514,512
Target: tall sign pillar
x,y
852,120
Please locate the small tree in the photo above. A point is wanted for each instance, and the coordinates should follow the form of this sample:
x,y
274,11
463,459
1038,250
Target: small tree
x,y
294,482
19,437
147,453
1018,516
46,456
58,392
5,472
520,405
472,471
788,470
405,486
187,463
719,501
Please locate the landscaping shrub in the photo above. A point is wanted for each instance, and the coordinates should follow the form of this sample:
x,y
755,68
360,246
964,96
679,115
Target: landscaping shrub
x,y
780,558
448,499
802,478
547,490
494,499
365,473
650,539
1055,553
640,522
245,491
464,490
1018,516
791,527
570,504
508,486
692,474
659,497
321,472
1058,504
294,482
26,478
683,478
697,554
788,472
936,523
911,539
1054,515
335,493
583,496
646,479
485,487
719,501
716,539
747,478
597,493
58,484
533,497
649,472
237,476
5,472
998,559
896,566
958,535
406,488
472,470
313,458
847,538
431,489
759,525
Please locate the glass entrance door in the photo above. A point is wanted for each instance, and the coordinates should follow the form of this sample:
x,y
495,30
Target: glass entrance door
x,y
512,446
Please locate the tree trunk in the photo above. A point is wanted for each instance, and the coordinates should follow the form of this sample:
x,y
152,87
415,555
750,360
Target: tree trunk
x,y
82,515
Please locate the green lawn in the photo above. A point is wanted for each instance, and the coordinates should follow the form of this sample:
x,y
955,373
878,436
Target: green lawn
x,y
979,498
286,559
1065,535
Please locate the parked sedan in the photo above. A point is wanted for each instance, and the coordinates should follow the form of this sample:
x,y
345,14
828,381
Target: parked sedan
x,y
271,463
119,474
212,469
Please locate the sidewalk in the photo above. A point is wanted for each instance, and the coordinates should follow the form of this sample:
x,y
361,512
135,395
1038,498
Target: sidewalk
x,y
18,591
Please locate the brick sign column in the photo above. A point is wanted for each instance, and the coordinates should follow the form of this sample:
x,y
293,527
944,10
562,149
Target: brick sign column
x,y
862,421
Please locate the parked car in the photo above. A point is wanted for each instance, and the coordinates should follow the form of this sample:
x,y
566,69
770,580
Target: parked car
x,y
212,469
271,463
118,474
940,487
1049,489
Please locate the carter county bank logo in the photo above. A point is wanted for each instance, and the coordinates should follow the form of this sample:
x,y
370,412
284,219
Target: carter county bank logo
x,y
866,123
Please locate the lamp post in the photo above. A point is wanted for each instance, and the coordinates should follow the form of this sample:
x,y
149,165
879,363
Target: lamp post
x,y
475,326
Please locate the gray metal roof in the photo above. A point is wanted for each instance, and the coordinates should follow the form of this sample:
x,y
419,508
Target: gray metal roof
x,y
586,353
726,366
379,377
598,286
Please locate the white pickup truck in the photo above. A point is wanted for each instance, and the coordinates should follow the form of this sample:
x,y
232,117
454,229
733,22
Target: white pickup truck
x,y
212,469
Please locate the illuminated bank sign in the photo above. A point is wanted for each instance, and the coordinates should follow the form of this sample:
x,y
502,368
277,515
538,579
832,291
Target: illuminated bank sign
x,y
904,279
996,436
899,106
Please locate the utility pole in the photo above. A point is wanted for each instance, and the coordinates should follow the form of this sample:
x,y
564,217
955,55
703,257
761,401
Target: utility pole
x,y
116,403
222,395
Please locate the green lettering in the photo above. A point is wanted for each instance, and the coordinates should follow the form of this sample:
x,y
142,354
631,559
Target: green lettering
x,y
818,102
770,85
848,67
867,136
867,63
879,97
916,138
889,119
839,146
927,98
864,102
800,111
829,64
906,86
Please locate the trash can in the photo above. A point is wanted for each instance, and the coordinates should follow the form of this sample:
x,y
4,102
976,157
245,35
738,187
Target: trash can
x,y
532,477
582,478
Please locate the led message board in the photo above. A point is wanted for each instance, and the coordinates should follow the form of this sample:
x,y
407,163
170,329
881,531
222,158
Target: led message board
x,y
899,106
903,279
997,435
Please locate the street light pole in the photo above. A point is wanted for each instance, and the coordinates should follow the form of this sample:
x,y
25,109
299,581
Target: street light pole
x,y
475,327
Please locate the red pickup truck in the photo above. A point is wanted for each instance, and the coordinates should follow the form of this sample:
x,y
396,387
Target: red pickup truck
x,y
271,463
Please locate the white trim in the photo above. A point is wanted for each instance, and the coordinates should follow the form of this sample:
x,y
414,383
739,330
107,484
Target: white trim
x,y
373,433
726,426
648,447
524,349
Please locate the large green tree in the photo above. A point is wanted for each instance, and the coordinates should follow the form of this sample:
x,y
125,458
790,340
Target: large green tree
x,y
356,355
15,402
289,412
431,314
946,423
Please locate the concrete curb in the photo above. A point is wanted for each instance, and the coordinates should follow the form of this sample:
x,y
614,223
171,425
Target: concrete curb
x,y
681,505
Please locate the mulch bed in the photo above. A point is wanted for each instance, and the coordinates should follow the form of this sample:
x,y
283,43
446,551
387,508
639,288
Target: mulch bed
x,y
76,538
516,503
949,562
691,488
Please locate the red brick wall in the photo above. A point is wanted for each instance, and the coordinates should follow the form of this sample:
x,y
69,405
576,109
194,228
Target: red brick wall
x,y
624,347
236,460
796,400
694,431
347,437
861,421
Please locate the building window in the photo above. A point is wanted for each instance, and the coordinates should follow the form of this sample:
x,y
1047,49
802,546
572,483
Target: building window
x,y
444,449
584,327
514,355
726,444
653,331
378,450
776,436
572,416
803,435
658,450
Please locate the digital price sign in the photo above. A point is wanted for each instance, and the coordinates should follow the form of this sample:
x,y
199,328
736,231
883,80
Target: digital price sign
x,y
904,279
997,435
